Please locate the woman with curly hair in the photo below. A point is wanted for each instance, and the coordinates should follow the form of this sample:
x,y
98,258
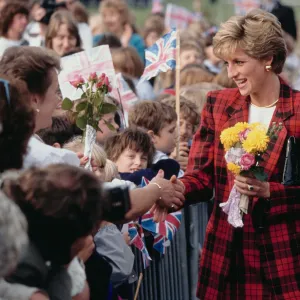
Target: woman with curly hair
x,y
13,22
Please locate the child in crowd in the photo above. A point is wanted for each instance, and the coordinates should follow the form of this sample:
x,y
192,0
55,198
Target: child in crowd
x,y
132,151
159,120
189,121
194,73
154,28
191,53
197,93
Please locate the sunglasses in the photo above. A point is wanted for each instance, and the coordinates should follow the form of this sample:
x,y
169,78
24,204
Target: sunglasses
x,y
6,87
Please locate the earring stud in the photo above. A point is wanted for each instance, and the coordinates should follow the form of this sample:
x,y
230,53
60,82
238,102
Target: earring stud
x,y
268,68
37,110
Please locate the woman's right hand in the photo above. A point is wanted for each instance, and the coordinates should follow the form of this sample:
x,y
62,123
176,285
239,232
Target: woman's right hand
x,y
171,191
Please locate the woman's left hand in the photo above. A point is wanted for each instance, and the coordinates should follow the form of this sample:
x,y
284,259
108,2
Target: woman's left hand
x,y
252,187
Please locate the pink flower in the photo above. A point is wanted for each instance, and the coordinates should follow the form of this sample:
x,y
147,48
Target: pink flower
x,y
93,77
106,81
109,88
77,82
102,77
99,84
243,134
247,161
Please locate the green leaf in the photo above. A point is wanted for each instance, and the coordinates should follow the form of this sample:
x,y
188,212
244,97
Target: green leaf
x,y
83,96
108,108
81,106
67,104
81,122
259,174
98,99
110,127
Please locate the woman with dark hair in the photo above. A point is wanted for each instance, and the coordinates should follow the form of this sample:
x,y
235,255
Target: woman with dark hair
x,y
17,121
13,22
62,204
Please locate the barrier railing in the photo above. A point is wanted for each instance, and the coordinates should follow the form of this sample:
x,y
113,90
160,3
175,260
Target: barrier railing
x,y
174,275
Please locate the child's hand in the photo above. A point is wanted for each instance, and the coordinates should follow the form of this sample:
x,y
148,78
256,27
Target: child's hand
x,y
126,35
83,159
183,155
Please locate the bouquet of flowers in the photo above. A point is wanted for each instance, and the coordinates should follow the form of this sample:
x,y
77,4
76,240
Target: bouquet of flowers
x,y
245,144
91,108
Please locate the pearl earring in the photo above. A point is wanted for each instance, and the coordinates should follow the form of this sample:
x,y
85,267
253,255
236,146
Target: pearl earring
x,y
37,110
268,68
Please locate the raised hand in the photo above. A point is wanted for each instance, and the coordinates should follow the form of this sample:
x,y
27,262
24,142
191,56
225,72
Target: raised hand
x,y
162,206
171,192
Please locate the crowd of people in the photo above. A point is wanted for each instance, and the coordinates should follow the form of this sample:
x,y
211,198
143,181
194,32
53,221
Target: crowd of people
x,y
60,231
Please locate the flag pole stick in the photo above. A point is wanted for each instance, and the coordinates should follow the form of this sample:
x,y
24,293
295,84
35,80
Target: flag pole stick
x,y
138,286
177,90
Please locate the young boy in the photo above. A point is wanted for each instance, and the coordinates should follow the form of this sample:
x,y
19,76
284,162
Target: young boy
x,y
132,152
191,53
189,121
159,120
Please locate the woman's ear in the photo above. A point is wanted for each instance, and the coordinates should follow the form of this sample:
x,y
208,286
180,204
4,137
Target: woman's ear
x,y
35,101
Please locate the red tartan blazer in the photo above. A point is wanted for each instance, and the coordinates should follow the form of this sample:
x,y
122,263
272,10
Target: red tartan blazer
x,y
271,259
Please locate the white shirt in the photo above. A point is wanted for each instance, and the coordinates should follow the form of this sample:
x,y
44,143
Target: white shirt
x,y
40,155
5,43
261,115
86,36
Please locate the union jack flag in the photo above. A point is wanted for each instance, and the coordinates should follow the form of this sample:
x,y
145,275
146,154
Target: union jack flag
x,y
84,63
137,239
161,56
163,231
179,17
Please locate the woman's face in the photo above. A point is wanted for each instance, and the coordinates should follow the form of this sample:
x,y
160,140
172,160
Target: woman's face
x,y
64,41
45,105
112,20
19,23
248,73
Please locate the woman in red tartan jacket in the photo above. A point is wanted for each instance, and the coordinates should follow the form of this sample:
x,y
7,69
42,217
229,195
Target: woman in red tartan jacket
x,y
247,263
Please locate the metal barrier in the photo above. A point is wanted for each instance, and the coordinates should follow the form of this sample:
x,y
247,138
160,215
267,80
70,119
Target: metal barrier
x,y
174,275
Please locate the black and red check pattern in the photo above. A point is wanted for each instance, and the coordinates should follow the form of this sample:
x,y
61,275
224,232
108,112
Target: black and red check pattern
x,y
244,263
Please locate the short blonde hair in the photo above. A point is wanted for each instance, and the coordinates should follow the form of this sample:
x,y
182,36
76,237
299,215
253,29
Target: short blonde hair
x,y
98,153
110,171
259,34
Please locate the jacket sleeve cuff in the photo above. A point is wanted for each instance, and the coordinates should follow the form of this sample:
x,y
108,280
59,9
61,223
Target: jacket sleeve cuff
x,y
277,190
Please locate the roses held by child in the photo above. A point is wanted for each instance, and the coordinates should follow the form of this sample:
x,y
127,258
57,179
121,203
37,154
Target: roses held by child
x,y
245,144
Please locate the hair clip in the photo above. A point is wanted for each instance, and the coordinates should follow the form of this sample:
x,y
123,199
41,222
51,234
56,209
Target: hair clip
x,y
6,86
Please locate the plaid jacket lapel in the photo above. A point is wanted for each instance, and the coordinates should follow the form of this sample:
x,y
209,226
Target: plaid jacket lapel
x,y
237,110
284,110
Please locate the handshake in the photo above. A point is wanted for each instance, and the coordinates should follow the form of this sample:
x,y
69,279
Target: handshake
x,y
171,196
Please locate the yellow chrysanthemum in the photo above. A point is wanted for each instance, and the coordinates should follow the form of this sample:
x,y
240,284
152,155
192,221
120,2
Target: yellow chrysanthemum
x,y
257,141
241,126
234,168
258,126
229,137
